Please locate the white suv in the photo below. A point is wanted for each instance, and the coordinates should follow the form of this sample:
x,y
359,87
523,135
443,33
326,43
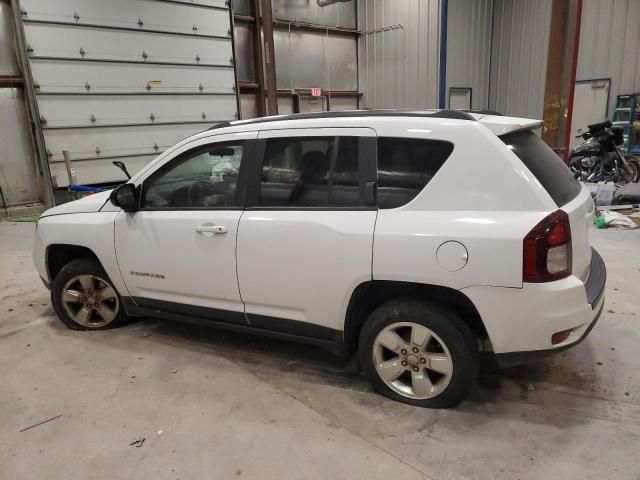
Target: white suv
x,y
416,239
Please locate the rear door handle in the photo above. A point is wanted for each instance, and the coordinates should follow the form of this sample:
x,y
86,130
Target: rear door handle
x,y
209,230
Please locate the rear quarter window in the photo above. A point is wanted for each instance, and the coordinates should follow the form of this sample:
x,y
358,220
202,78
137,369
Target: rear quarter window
x,y
546,166
406,166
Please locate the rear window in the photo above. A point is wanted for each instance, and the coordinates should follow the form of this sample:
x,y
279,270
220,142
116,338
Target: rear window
x,y
545,165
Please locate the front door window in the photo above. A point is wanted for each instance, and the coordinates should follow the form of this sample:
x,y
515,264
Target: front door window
x,y
205,177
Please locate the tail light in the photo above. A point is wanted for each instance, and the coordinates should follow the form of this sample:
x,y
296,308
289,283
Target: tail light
x,y
547,249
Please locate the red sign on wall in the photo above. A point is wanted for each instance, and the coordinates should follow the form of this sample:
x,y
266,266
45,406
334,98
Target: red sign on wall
x,y
316,92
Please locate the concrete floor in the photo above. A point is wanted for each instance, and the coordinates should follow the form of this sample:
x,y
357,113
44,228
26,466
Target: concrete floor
x,y
219,405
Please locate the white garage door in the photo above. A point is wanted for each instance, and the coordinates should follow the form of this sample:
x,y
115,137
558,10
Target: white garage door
x,y
125,79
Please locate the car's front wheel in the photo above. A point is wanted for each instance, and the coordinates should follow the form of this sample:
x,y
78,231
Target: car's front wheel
x,y
84,298
418,353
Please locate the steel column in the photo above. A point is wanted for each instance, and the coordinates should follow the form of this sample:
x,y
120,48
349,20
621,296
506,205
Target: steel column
x,y
269,57
258,65
572,83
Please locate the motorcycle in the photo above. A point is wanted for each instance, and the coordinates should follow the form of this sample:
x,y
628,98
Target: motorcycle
x,y
599,158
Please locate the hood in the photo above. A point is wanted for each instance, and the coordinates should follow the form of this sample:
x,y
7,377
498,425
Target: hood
x,y
88,204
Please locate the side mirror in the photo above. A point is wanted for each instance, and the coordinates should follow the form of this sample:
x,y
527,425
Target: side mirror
x,y
125,197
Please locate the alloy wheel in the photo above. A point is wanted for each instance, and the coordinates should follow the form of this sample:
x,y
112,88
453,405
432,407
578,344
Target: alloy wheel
x,y
90,301
412,360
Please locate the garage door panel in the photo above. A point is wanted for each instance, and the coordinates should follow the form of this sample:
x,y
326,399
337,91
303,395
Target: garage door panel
x,y
100,44
57,76
116,141
83,111
138,14
127,79
97,170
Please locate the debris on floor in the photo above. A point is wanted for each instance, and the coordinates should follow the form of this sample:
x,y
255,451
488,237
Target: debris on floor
x,y
610,218
138,442
41,423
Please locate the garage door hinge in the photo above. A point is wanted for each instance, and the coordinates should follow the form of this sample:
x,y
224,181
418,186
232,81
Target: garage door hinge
x,y
232,61
140,22
144,55
87,87
197,58
200,87
29,49
204,115
152,117
155,147
76,17
227,3
195,27
82,52
148,87
98,151
43,120
229,33
36,86
23,12
93,119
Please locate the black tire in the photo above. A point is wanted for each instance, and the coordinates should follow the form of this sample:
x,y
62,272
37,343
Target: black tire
x,y
84,267
632,172
447,325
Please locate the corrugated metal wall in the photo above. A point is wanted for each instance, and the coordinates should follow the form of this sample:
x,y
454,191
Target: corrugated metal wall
x,y
519,56
610,45
18,181
315,59
399,67
469,48
309,52
8,59
342,14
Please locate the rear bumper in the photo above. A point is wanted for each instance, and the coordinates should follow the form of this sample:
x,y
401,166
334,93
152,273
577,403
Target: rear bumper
x,y
517,358
521,321
594,285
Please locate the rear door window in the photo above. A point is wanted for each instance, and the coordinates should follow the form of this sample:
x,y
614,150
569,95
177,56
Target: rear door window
x,y
310,172
546,166
405,166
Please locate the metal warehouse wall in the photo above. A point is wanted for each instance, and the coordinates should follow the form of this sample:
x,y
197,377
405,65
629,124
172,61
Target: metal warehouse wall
x,y
610,45
314,47
519,56
18,180
399,65
469,48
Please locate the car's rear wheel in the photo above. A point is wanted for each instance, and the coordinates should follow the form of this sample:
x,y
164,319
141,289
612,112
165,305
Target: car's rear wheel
x,y
84,297
419,353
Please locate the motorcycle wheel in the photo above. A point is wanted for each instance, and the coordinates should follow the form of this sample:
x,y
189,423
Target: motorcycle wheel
x,y
632,172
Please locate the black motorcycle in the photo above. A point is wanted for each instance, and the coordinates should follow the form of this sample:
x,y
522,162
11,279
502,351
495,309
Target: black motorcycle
x,y
599,158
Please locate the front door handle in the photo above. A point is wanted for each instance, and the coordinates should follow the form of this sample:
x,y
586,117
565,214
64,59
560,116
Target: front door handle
x,y
209,230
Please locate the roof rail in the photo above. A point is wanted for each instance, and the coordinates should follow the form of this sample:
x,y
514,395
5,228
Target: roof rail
x,y
220,125
484,112
452,114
